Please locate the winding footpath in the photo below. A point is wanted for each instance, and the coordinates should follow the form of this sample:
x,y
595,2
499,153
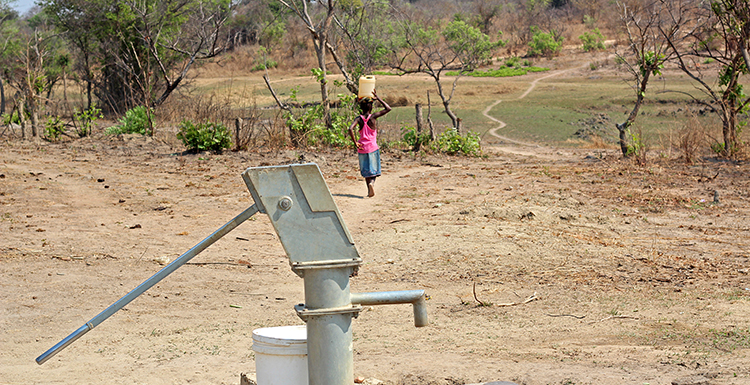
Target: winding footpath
x,y
502,124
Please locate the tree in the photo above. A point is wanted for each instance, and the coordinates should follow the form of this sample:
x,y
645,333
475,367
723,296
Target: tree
x,y
319,31
142,50
721,34
457,46
8,17
363,32
648,28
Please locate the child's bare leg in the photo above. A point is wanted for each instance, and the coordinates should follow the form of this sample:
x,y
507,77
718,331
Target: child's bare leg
x,y
370,186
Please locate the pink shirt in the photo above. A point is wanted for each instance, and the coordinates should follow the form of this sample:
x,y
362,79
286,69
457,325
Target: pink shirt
x,y
367,137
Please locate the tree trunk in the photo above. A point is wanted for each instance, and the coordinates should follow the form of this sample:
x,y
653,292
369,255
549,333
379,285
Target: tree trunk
x,y
320,50
429,118
2,97
420,123
623,128
22,117
447,104
729,130
237,129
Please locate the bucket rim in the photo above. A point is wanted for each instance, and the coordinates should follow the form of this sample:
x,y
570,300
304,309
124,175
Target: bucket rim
x,y
283,335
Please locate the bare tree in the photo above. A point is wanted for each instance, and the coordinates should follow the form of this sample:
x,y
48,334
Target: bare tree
x,y
319,28
435,49
649,26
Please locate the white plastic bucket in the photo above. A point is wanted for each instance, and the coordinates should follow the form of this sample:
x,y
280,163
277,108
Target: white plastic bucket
x,y
281,355
366,86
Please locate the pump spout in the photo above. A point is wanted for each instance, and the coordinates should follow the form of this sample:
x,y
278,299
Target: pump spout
x,y
414,297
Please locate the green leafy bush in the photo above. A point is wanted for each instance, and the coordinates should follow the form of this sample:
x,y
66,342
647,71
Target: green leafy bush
x,y
135,121
208,136
513,61
8,118
268,64
544,43
592,41
53,129
412,138
309,127
452,143
86,118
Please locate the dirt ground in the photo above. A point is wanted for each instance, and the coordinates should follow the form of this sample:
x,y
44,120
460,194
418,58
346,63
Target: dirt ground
x,y
543,266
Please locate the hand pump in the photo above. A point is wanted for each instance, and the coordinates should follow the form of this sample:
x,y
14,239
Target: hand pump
x,y
320,250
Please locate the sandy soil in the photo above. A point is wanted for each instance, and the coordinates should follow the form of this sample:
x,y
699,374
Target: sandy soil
x,y
550,266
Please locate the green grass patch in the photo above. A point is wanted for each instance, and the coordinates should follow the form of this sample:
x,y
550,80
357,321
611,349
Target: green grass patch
x,y
502,72
386,73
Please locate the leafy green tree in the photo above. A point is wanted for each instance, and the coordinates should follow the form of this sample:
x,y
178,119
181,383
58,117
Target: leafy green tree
x,y
364,30
8,29
142,50
726,22
592,41
544,43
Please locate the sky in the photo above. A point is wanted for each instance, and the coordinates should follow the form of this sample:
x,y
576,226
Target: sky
x,y
22,6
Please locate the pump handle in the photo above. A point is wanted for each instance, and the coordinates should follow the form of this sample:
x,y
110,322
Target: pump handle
x,y
163,273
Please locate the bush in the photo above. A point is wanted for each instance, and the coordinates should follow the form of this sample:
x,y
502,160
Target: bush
x,y
208,136
513,61
412,138
266,64
543,43
53,129
593,41
451,143
8,118
135,121
86,118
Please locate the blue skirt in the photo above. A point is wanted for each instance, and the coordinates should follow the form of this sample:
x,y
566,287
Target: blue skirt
x,y
369,164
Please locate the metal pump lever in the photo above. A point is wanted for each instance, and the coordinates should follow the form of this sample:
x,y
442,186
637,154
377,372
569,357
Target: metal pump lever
x,y
163,273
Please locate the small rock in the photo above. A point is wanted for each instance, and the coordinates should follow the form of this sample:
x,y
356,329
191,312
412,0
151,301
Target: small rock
x,y
162,260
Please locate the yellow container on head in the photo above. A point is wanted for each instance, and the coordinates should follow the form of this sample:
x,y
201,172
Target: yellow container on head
x,y
366,86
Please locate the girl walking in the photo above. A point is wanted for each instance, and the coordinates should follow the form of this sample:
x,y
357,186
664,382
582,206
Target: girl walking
x,y
367,145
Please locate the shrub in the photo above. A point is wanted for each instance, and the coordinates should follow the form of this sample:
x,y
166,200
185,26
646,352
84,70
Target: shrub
x,y
8,118
451,143
208,136
513,61
543,43
86,118
135,121
592,41
412,138
53,129
266,64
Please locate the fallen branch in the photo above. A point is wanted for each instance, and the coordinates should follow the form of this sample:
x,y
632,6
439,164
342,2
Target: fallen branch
x,y
613,317
481,303
527,300
567,315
